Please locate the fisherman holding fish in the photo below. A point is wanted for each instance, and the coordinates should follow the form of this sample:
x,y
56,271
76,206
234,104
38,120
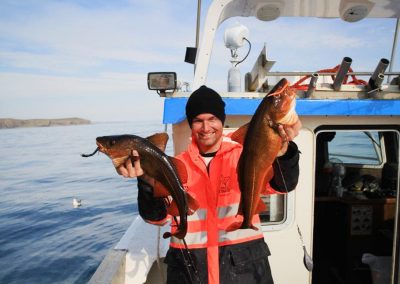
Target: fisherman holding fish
x,y
224,241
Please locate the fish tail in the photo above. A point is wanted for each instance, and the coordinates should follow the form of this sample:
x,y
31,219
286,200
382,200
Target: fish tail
x,y
253,227
240,225
180,234
234,226
167,235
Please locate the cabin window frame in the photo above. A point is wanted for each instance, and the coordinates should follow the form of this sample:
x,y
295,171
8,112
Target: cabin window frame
x,y
288,209
351,128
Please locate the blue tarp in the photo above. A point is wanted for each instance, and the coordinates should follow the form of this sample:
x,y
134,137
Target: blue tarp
x,y
174,108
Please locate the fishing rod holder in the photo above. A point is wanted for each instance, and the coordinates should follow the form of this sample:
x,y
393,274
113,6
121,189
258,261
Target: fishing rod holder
x,y
376,80
341,73
312,85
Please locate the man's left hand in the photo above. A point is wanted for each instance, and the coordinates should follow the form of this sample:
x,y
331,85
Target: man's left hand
x,y
288,133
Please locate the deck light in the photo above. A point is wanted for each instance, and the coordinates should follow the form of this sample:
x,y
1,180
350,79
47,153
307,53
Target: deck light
x,y
161,81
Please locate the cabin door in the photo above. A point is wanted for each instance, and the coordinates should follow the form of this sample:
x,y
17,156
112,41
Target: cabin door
x,y
356,214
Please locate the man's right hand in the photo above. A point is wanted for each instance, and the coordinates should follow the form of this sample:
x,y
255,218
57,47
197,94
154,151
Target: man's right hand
x,y
131,171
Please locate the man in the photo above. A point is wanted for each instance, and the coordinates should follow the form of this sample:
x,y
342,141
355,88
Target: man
x,y
215,255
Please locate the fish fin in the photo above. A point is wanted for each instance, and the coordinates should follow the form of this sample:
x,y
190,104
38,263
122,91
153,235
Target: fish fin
x,y
159,140
180,234
193,205
180,168
239,225
159,190
240,133
234,226
266,189
253,227
261,206
167,235
173,209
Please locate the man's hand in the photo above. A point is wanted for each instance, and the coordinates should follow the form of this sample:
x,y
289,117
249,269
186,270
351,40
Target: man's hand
x,y
288,133
129,170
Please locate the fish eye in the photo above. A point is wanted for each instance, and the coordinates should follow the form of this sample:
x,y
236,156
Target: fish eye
x,y
112,142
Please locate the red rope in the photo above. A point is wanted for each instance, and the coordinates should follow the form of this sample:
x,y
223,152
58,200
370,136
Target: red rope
x,y
299,86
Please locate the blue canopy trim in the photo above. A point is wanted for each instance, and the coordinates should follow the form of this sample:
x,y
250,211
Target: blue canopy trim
x,y
174,108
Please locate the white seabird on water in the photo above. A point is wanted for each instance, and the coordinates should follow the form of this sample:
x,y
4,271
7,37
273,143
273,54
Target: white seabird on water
x,y
76,202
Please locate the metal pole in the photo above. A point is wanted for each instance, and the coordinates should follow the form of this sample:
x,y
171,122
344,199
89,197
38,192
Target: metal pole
x,y
198,22
312,85
197,30
394,47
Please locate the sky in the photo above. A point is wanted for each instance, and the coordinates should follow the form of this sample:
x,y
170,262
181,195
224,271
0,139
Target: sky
x,y
90,59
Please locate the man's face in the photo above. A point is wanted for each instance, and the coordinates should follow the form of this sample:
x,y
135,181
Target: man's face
x,y
207,130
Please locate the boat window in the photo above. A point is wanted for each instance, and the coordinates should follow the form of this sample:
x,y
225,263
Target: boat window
x,y
346,155
355,205
356,147
275,212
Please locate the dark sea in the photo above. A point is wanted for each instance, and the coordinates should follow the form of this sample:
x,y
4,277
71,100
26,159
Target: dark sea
x,y
43,238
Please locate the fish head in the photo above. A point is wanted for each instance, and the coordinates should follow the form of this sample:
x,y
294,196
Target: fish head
x,y
282,103
118,147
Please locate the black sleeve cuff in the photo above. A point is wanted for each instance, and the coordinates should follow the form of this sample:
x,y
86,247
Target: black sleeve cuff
x,y
286,170
150,208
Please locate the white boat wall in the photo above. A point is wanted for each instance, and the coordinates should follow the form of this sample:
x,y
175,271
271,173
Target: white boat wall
x,y
344,211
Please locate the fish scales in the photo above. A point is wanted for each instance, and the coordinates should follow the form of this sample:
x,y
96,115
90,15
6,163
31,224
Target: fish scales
x,y
255,166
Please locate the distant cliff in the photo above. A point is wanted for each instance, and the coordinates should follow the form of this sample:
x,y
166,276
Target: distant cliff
x,y
13,123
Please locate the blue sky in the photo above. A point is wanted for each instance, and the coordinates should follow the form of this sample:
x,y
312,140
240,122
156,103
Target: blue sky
x,y
90,59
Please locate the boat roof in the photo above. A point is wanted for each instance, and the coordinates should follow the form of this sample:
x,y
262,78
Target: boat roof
x,y
174,108
268,10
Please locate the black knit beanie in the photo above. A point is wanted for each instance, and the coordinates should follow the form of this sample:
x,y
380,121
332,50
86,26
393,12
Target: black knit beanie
x,y
205,100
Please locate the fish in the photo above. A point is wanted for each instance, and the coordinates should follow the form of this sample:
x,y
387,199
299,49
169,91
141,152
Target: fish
x,y
261,145
168,171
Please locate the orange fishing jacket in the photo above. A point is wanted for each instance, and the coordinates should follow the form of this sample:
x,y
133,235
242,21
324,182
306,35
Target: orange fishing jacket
x,y
216,189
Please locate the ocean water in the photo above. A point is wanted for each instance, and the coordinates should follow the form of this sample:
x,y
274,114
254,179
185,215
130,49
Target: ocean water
x,y
43,238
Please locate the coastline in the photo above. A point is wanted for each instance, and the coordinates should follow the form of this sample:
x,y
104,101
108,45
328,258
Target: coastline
x,y
16,123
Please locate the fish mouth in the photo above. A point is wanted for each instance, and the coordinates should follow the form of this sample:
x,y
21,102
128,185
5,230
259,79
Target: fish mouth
x,y
100,147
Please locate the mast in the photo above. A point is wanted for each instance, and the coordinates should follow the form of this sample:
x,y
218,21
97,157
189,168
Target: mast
x,y
197,29
394,47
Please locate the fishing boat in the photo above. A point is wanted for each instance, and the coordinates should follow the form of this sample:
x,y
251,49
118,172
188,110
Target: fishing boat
x,y
344,214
